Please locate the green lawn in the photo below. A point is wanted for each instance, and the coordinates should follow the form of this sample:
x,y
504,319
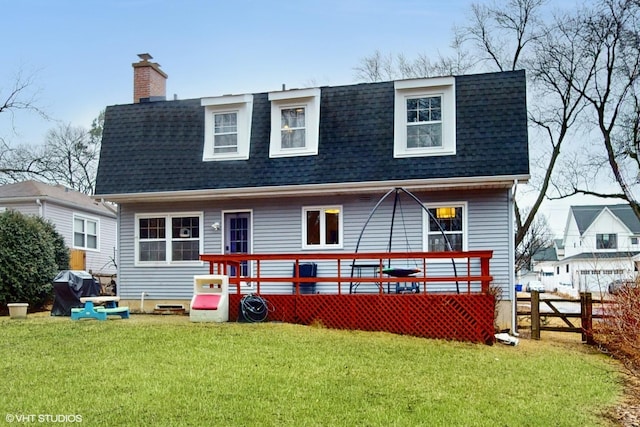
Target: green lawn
x,y
167,371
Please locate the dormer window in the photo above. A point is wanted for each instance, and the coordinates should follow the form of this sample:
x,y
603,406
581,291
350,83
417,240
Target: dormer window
x,y
295,123
425,119
225,132
293,128
227,127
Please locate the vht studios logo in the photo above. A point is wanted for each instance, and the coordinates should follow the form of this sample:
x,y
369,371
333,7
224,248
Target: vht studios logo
x,y
43,418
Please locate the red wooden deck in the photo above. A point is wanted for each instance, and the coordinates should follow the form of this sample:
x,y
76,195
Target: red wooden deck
x,y
466,316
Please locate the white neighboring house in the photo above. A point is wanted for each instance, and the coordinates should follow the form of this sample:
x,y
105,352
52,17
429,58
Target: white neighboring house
x,y
543,264
601,244
85,224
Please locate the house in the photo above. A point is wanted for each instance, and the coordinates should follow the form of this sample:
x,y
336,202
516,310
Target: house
x,y
543,264
600,246
300,170
87,226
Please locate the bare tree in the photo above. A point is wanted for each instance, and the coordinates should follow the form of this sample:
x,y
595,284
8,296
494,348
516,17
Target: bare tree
x,y
537,239
501,32
19,96
606,39
70,157
380,66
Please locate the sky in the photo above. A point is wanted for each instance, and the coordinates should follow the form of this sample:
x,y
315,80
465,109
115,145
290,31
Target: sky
x,y
78,53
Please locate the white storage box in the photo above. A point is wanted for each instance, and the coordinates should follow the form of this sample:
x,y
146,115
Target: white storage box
x,y
210,302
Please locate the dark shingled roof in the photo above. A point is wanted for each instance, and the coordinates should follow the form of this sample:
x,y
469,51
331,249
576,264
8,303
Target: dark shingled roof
x,y
585,215
601,255
158,146
546,254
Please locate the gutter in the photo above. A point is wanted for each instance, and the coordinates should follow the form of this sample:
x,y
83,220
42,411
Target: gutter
x,y
512,261
486,182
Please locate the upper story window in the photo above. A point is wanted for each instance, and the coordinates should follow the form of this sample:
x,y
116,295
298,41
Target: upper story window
x,y
168,238
425,117
322,227
85,232
227,127
225,132
295,123
606,241
446,220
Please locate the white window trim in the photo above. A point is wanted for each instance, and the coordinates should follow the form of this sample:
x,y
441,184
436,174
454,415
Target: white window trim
x,y
413,88
168,262
465,225
322,245
240,104
310,100
86,218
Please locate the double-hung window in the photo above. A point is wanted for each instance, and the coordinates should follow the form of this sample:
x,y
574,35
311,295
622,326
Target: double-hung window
x,y
424,122
225,132
295,122
322,227
446,225
85,233
227,127
168,238
293,129
425,117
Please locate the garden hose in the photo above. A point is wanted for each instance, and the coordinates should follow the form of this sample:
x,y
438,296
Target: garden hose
x,y
254,308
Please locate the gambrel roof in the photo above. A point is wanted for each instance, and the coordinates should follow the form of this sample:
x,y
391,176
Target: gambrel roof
x,y
158,146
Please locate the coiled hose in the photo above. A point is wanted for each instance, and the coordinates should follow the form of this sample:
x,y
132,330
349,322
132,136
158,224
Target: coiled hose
x,y
254,308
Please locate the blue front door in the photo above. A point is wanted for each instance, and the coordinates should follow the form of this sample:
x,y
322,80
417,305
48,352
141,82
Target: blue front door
x,y
238,237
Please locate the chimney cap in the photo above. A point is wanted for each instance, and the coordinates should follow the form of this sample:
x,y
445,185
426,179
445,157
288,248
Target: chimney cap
x,y
145,56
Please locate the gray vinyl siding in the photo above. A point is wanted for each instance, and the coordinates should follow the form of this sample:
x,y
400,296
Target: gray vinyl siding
x,y
97,261
277,228
24,208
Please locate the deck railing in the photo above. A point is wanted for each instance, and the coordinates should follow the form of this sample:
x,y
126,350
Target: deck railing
x,y
465,272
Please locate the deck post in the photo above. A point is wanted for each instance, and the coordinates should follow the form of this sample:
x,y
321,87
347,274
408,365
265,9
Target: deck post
x,y
535,315
586,315
484,270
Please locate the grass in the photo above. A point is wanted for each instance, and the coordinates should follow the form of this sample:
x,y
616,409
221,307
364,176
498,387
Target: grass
x,y
167,371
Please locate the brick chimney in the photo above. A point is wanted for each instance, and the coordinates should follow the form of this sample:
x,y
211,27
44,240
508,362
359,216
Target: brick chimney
x,y
149,81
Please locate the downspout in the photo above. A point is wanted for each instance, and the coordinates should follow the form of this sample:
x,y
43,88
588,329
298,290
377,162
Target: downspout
x,y
40,208
512,261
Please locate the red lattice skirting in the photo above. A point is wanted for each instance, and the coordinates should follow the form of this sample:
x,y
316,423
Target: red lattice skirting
x,y
464,317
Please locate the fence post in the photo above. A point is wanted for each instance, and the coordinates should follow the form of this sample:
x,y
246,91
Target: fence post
x,y
535,315
586,315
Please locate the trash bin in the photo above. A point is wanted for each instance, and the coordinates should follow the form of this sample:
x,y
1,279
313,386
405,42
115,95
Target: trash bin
x,y
518,288
308,269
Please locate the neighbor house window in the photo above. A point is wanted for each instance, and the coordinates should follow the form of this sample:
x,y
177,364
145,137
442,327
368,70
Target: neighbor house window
x,y
606,241
446,223
425,119
295,122
322,227
227,127
85,233
172,238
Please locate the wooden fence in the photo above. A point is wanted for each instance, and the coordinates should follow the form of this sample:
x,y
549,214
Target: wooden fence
x,y
540,317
